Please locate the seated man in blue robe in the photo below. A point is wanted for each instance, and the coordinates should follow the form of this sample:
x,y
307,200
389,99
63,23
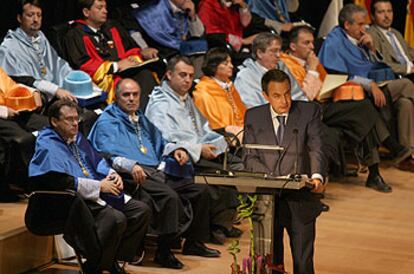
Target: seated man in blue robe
x,y
27,56
276,11
27,52
173,111
63,160
168,24
266,50
158,171
349,49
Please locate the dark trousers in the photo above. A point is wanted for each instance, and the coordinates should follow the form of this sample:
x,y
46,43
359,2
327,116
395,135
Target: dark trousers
x,y
18,145
198,196
301,236
121,234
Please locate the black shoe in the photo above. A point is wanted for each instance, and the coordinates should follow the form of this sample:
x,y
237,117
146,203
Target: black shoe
x,y
199,249
233,232
166,258
324,207
217,237
377,182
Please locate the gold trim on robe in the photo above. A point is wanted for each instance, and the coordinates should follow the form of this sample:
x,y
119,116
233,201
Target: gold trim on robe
x,y
105,81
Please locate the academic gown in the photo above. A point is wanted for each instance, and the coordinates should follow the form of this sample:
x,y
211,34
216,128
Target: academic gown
x,y
16,136
248,83
169,29
342,115
110,234
88,51
18,57
220,107
267,9
172,116
114,135
339,54
219,19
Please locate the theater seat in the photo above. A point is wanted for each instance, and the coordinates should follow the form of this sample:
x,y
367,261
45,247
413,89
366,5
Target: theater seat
x,y
47,214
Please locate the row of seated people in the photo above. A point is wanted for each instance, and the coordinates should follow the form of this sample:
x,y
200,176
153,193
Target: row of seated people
x,y
49,81
218,72
102,49
168,25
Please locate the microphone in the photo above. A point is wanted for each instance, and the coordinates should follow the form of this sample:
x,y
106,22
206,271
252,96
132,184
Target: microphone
x,y
296,175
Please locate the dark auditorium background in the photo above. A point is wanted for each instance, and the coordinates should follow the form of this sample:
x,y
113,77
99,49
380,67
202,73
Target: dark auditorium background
x,y
59,11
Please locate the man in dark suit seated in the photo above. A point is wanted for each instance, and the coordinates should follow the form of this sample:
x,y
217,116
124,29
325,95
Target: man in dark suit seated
x,y
63,160
283,121
399,56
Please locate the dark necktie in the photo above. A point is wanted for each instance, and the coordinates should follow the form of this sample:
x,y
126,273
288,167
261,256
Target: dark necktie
x,y
281,128
397,50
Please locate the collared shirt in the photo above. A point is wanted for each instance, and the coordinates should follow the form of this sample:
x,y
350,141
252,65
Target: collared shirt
x,y
224,85
275,122
261,66
305,65
404,55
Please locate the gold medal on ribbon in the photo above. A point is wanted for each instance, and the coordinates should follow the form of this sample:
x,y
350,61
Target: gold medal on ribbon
x,y
43,70
85,172
143,149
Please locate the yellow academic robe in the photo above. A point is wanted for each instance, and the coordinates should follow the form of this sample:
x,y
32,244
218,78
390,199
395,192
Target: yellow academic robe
x,y
220,107
6,84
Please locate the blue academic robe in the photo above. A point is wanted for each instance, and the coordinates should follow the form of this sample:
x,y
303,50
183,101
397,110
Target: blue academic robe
x,y
248,83
52,154
114,134
339,54
167,112
161,24
267,8
18,57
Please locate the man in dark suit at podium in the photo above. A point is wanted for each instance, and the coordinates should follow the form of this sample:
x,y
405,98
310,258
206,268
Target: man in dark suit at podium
x,y
297,128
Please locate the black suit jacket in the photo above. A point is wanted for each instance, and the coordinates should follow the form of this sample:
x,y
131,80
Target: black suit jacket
x,y
306,119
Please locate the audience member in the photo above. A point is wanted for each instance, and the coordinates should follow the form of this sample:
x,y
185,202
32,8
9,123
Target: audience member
x,y
136,147
399,56
215,95
170,25
226,20
63,160
344,114
396,52
266,50
295,210
106,51
27,52
172,110
18,142
350,50
275,11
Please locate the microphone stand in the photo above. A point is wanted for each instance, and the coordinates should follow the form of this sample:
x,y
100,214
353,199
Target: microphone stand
x,y
297,177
